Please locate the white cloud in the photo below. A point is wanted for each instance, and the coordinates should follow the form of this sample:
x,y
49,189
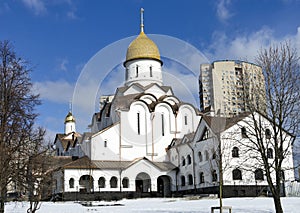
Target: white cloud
x,y
37,6
223,12
246,47
63,64
55,91
72,14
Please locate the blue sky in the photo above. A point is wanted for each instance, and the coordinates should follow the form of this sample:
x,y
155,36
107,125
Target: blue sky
x,y
59,37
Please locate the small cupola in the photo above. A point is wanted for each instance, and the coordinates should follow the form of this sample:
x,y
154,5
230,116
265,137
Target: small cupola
x,y
70,123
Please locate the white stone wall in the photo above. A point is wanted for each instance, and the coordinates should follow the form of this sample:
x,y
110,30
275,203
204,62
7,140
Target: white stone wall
x,y
248,159
131,173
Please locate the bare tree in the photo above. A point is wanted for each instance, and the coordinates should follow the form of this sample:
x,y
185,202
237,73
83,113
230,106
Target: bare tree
x,y
273,122
17,117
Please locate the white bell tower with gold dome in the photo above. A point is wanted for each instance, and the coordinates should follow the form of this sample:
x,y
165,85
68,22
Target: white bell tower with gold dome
x,y
70,123
143,64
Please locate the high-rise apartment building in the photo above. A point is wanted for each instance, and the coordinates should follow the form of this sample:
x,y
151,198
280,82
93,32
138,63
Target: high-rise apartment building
x,y
228,88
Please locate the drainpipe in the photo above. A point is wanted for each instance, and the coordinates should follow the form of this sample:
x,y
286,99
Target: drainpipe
x,y
193,166
177,171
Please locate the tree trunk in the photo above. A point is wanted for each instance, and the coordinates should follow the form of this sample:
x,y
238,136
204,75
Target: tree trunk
x,y
2,205
277,202
2,199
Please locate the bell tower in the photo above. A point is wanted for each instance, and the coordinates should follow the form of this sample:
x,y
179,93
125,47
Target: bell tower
x,y
70,123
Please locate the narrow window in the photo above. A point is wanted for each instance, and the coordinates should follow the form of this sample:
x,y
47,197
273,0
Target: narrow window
x,y
151,71
270,153
201,177
185,120
105,143
200,156
162,125
71,183
268,134
189,159
183,161
138,123
214,176
137,71
182,181
213,154
244,132
235,152
259,175
190,179
236,174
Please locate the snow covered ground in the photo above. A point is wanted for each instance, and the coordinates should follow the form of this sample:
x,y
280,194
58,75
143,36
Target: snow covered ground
x,y
163,205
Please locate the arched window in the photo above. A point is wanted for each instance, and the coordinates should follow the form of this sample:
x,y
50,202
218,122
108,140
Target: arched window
x,y
214,176
268,134
183,161
190,177
151,71
182,180
201,177
259,175
185,120
244,132
138,123
237,174
189,159
235,152
270,153
200,156
113,182
101,182
125,182
206,155
71,183
137,71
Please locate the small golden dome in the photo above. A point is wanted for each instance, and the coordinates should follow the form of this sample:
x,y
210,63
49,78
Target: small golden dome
x,y
142,47
69,118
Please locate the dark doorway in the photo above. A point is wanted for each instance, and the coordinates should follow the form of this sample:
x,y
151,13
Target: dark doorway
x,y
143,182
164,186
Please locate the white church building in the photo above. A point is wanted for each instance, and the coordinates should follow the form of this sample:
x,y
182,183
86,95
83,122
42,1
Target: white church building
x,y
145,141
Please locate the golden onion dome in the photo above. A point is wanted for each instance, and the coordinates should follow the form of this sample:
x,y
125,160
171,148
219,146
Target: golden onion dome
x,y
142,47
69,118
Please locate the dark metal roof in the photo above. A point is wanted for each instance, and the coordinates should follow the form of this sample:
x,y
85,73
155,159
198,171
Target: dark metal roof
x,y
86,163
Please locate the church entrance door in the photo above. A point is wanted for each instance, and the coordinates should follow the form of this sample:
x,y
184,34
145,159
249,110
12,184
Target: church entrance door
x,y
143,182
164,186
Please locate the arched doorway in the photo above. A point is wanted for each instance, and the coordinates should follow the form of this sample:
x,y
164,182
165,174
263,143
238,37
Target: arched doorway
x,y
164,186
143,182
86,183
